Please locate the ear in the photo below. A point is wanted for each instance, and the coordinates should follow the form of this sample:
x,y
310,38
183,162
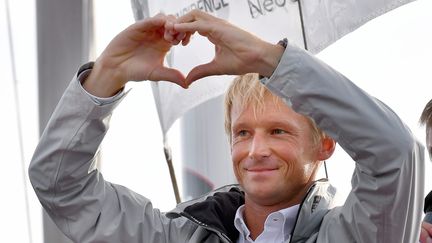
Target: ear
x,y
326,149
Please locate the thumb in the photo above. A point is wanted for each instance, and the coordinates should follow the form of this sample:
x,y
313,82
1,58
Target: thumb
x,y
201,71
169,74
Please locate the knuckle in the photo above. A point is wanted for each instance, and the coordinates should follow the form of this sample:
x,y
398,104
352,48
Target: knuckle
x,y
195,12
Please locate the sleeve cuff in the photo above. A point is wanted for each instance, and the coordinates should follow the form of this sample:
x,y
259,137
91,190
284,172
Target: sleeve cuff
x,y
82,76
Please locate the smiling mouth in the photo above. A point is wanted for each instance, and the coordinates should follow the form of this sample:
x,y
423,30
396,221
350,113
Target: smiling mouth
x,y
261,174
261,170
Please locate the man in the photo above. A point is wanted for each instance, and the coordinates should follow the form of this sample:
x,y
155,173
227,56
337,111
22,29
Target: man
x,y
426,229
279,135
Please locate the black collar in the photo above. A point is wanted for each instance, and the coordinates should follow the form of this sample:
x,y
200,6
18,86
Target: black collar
x,y
218,211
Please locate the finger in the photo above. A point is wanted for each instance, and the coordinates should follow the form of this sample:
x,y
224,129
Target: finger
x,y
168,74
428,228
201,71
171,18
195,20
201,26
169,24
168,36
189,17
181,36
175,42
177,38
423,236
187,38
194,15
174,39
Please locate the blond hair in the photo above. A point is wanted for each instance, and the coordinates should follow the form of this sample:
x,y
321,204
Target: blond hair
x,y
426,116
247,90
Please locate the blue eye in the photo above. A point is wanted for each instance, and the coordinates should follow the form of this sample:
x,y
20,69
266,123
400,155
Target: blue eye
x,y
278,131
242,133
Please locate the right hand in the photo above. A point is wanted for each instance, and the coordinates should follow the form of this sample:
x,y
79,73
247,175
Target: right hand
x,y
137,53
426,233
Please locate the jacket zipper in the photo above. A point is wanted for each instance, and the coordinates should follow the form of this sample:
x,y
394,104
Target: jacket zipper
x,y
206,226
298,212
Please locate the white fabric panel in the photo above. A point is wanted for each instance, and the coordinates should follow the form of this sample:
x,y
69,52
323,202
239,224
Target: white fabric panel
x,y
326,21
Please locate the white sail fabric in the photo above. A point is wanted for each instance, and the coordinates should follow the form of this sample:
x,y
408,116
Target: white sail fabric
x,y
324,22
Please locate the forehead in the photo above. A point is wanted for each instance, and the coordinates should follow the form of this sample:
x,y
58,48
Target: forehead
x,y
429,140
428,134
267,104
271,109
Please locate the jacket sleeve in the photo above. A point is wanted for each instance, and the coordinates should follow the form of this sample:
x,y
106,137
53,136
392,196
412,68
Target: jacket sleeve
x,y
81,203
385,202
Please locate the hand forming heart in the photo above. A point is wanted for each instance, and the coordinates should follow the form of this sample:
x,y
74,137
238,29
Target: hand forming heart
x,y
236,51
138,52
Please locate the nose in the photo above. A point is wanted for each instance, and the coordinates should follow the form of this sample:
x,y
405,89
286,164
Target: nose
x,y
259,147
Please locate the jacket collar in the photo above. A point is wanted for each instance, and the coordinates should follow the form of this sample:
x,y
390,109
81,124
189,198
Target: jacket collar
x,y
216,210
315,205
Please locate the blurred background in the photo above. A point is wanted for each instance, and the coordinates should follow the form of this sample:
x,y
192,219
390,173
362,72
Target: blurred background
x,y
43,43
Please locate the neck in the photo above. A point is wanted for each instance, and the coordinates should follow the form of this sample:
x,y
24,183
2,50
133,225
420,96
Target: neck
x,y
256,212
255,215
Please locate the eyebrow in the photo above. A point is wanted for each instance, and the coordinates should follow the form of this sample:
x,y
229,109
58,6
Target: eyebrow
x,y
234,126
280,124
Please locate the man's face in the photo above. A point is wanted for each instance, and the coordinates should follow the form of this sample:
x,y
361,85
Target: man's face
x,y
429,140
274,155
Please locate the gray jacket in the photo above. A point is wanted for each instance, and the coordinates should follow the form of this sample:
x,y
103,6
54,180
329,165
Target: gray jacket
x,y
384,205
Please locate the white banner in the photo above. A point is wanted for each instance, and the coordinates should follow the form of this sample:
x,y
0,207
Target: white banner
x,y
324,22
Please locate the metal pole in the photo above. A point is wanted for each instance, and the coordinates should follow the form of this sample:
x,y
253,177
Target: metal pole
x,y
302,24
168,157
